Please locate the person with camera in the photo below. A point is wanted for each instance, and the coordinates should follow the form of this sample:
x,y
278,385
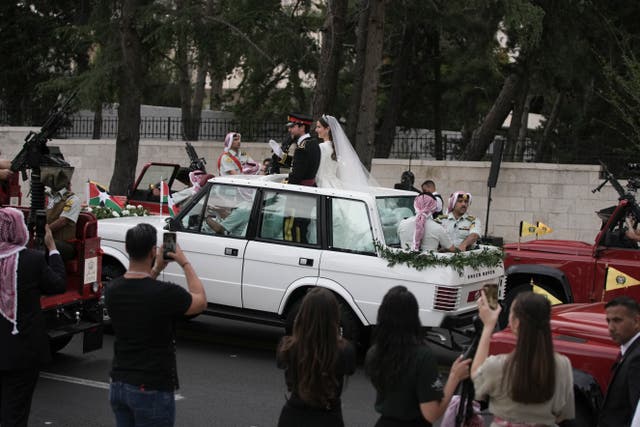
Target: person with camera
x,y
509,379
143,311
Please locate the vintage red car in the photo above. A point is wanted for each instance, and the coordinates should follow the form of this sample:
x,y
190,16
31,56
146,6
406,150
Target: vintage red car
x,y
579,332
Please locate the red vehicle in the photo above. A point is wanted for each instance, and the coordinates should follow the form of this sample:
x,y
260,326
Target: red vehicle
x,y
78,309
579,332
573,271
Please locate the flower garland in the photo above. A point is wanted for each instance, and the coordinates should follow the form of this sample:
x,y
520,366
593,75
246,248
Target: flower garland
x,y
458,261
102,212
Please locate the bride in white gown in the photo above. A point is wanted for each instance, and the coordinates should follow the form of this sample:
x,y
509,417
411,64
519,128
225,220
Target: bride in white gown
x,y
340,166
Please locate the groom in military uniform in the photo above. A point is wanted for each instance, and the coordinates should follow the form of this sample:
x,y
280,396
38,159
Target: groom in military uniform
x,y
463,229
306,159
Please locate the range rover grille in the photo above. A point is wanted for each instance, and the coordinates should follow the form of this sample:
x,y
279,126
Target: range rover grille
x,y
446,298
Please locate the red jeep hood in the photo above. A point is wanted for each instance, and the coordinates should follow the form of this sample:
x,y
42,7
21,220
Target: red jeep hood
x,y
571,247
584,322
581,320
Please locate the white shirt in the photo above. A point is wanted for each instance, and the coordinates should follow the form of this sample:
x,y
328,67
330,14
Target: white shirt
x,y
624,347
434,234
459,229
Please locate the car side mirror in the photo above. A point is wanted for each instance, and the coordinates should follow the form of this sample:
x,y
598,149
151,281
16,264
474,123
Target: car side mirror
x,y
172,224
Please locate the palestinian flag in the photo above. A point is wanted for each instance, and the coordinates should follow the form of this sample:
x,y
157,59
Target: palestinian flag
x,y
97,195
165,197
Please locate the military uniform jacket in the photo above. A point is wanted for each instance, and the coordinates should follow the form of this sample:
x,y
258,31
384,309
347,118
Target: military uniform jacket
x,y
459,229
64,204
306,160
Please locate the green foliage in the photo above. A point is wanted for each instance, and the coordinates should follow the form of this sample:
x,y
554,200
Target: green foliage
x,y
486,258
102,212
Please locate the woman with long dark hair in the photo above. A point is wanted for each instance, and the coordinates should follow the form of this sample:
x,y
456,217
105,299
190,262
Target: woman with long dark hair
x,y
316,359
532,385
403,369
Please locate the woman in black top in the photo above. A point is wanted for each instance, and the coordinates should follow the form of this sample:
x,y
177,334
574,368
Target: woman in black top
x,y
316,359
402,368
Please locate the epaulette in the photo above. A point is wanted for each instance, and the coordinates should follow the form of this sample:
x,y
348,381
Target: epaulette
x,y
442,216
438,219
471,217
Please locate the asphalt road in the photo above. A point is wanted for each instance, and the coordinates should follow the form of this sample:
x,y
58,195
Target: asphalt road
x,y
227,372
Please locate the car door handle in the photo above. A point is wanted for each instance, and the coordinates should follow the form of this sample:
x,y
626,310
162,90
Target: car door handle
x,y
231,251
306,261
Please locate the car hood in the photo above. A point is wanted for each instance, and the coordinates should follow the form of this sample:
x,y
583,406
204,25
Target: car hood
x,y
116,228
571,247
584,322
587,321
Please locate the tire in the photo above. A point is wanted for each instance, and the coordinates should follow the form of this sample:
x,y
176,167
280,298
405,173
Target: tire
x,y
503,320
57,344
584,415
110,271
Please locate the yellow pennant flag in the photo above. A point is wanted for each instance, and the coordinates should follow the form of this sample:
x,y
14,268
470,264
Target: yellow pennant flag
x,y
540,291
616,279
543,229
527,229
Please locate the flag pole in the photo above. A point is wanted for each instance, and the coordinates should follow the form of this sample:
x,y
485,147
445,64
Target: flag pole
x,y
161,195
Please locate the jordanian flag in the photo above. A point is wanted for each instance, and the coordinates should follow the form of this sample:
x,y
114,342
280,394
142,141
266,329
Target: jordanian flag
x,y
98,196
165,197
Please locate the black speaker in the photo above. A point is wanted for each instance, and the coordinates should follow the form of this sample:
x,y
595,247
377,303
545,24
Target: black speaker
x,y
496,159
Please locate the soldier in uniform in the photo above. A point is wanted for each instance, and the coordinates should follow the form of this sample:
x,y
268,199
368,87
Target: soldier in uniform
x,y
463,229
232,161
63,208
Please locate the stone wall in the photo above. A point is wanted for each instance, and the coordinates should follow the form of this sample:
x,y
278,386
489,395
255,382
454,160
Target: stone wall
x,y
558,195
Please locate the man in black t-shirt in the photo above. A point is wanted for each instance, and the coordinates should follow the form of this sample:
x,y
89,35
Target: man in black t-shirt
x,y
144,375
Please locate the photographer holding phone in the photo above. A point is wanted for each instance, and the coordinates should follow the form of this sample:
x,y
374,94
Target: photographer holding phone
x,y
508,379
143,311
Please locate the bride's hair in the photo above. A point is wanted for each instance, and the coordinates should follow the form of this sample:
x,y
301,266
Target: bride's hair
x,y
325,124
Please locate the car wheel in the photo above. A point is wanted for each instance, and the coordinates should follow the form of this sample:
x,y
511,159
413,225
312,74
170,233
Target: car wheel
x,y
110,271
57,344
584,415
291,316
503,320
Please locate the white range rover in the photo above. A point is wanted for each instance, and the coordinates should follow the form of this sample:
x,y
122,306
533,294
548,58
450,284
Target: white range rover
x,y
259,244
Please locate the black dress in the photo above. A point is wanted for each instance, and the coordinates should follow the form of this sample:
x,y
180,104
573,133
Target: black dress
x,y
296,412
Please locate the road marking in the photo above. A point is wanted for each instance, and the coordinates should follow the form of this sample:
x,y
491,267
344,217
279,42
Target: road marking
x,y
85,382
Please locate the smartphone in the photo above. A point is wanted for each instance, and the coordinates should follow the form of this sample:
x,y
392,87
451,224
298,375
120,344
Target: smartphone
x,y
168,244
491,293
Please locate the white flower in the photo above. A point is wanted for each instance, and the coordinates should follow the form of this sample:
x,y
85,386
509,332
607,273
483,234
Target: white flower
x,y
89,209
125,212
139,206
130,207
115,214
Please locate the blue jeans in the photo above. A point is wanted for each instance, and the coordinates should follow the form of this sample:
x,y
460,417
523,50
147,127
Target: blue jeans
x,y
134,407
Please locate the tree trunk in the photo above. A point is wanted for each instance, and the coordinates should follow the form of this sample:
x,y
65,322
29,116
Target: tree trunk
x,y
358,69
516,120
198,99
330,58
131,82
215,96
524,130
97,121
184,76
542,150
484,134
437,96
387,132
365,130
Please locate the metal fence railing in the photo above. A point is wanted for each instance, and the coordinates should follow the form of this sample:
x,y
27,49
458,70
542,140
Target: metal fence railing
x,y
174,128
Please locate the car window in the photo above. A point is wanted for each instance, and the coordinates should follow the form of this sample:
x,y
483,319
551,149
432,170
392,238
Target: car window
x,y
350,226
151,178
392,210
227,211
289,217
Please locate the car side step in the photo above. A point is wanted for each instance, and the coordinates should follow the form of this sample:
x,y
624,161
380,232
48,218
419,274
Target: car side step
x,y
254,316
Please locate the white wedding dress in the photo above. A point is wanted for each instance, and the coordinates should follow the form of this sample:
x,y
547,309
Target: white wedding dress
x,y
327,175
347,172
